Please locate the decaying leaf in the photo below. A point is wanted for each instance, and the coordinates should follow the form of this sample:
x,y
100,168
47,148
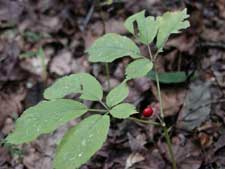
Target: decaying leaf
x,y
196,108
172,99
133,158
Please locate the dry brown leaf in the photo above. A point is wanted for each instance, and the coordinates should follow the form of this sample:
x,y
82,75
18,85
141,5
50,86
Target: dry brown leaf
x,y
10,103
184,43
187,154
196,108
172,99
61,63
4,156
132,159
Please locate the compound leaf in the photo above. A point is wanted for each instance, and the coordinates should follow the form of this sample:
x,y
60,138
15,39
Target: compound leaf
x,y
138,68
117,95
147,27
112,46
123,110
43,118
81,142
169,23
83,83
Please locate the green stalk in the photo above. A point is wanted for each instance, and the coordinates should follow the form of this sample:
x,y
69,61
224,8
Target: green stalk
x,y
145,121
159,94
165,130
98,110
168,140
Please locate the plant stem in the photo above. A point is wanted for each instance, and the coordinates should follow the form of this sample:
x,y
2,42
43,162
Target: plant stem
x,y
98,110
107,75
166,133
145,121
165,130
104,105
159,94
150,53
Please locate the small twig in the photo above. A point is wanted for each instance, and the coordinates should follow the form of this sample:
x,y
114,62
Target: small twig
x,y
88,17
220,45
145,121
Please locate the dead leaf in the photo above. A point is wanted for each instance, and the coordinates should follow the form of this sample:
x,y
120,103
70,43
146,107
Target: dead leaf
x,y
61,63
132,159
153,160
10,103
33,65
137,143
4,156
8,126
10,10
172,99
196,108
187,155
115,26
185,43
205,139
9,52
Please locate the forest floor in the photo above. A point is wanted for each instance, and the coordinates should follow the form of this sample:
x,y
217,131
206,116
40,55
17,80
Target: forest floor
x,y
194,108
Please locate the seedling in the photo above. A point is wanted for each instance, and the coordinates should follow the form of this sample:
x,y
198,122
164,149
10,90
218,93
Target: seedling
x,y
83,140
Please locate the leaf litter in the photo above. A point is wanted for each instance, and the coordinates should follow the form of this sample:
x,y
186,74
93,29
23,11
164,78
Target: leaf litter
x,y
146,149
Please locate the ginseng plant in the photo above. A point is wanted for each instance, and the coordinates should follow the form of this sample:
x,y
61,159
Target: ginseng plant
x,y
84,139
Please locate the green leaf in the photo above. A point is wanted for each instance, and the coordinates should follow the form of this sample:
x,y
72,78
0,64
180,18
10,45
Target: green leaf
x,y
169,23
81,142
147,27
28,54
138,68
43,118
123,110
32,36
170,77
83,83
129,23
117,95
112,46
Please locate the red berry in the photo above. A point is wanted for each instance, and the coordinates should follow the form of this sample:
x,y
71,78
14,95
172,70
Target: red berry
x,y
148,111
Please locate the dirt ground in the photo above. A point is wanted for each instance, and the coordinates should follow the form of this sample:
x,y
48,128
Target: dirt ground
x,y
64,29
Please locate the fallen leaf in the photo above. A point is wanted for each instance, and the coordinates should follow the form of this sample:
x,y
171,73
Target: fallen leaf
x,y
185,43
172,99
9,52
61,63
187,154
10,103
137,143
10,10
196,107
132,159
4,156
